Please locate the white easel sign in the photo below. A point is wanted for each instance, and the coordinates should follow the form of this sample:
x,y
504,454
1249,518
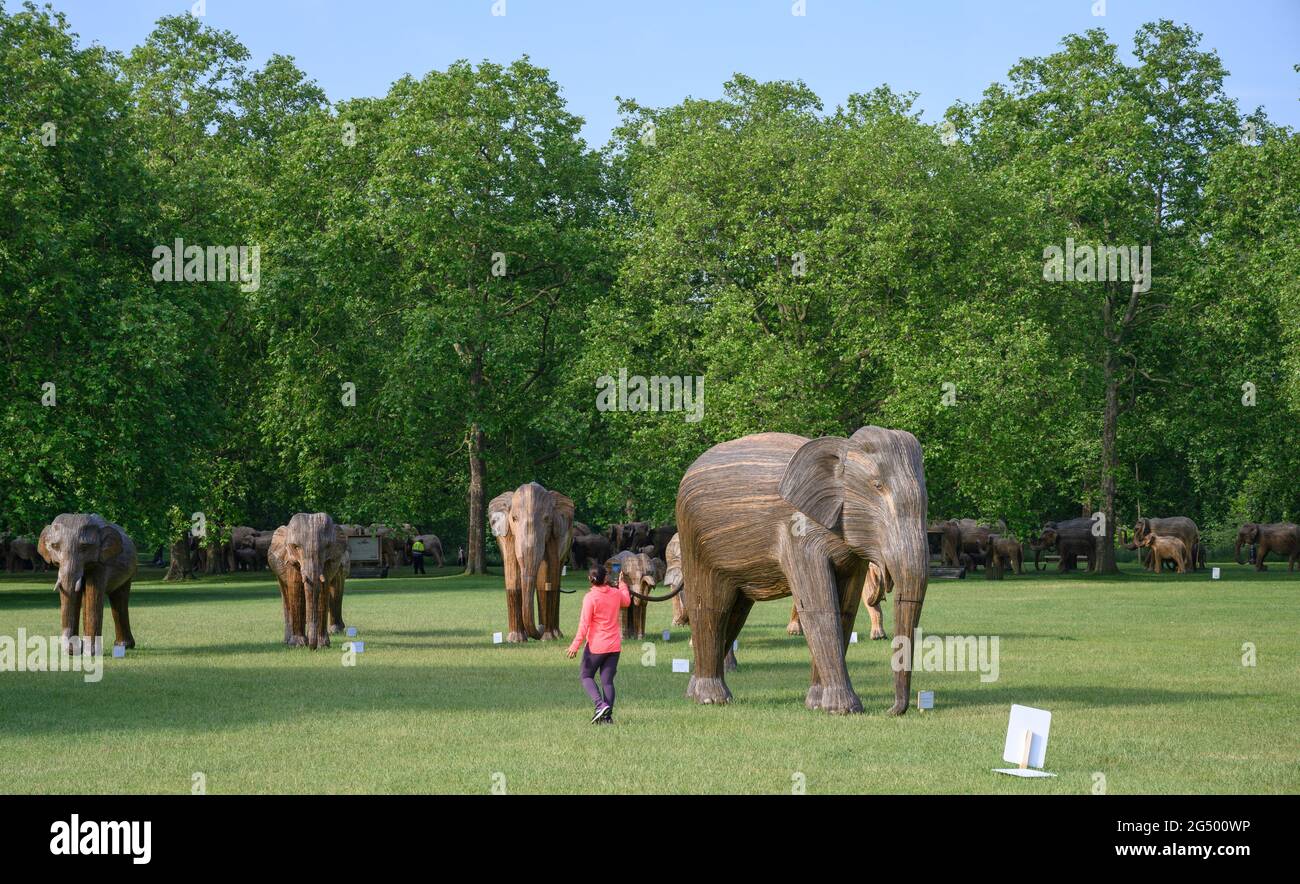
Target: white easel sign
x,y
1026,743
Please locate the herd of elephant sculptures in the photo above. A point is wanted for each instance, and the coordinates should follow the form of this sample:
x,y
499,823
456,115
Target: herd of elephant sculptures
x,y
831,521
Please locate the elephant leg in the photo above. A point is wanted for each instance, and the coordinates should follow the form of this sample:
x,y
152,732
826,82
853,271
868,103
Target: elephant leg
x,y
514,615
813,584
93,615
1259,557
336,624
297,611
70,618
121,619
735,623
794,628
710,605
553,602
679,611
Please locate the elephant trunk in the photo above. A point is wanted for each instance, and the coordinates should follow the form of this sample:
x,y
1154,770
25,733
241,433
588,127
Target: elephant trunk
x,y
1038,558
1236,552
72,577
529,566
909,571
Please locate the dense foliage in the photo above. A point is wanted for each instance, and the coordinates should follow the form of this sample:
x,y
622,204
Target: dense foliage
x,y
447,271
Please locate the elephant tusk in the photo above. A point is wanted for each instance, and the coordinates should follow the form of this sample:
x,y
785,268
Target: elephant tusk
x,y
654,598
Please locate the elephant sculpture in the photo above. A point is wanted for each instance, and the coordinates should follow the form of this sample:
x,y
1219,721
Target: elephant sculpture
x,y
972,538
628,535
589,548
642,573
95,559
1070,539
660,537
949,541
774,514
1006,550
673,578
1166,547
1173,526
432,547
533,526
309,557
1280,538
21,550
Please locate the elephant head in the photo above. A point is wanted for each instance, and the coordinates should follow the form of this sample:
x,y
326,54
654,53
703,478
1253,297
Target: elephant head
x,y
1045,540
531,523
869,490
313,549
1247,533
1141,530
75,542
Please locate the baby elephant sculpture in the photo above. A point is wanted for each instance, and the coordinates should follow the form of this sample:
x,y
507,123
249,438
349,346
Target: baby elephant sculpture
x,y
1166,546
642,574
309,557
95,559
1003,552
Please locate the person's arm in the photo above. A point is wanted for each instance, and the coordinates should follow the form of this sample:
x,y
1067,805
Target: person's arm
x,y
584,624
624,597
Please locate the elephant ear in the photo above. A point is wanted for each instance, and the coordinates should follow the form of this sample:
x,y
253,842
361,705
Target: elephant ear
x,y
42,545
110,543
562,524
813,482
278,555
499,513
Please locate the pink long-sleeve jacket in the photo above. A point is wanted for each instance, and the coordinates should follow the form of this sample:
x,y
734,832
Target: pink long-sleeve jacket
x,y
599,626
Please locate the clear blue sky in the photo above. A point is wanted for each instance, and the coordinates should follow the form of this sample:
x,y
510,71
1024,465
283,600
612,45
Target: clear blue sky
x,y
660,51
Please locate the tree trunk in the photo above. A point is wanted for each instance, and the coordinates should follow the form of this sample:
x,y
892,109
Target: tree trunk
x,y
474,563
1105,557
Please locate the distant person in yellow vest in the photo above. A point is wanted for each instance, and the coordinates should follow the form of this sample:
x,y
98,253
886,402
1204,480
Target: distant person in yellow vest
x,y
417,555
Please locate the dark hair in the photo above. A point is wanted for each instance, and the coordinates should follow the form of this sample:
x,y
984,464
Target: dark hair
x,y
596,575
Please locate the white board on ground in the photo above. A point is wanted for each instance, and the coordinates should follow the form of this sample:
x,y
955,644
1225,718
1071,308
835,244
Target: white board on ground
x,y
680,665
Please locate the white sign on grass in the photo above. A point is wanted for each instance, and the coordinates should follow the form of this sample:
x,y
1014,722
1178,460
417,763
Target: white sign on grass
x,y
496,638
680,665
853,638
1214,574
1027,730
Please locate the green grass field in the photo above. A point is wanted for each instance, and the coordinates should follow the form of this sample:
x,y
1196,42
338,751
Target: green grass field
x,y
1144,677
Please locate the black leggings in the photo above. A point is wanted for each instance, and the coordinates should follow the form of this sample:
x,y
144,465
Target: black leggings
x,y
608,666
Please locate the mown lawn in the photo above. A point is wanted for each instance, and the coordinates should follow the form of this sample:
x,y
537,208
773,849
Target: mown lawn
x,y
1143,675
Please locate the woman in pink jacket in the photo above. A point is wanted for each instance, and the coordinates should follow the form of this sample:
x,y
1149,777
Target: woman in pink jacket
x,y
599,628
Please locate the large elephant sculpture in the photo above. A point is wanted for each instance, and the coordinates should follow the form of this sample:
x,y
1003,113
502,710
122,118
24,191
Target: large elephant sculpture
x,y
1070,539
673,578
774,514
972,538
589,548
309,557
1171,526
96,560
642,573
22,550
949,541
533,526
1280,538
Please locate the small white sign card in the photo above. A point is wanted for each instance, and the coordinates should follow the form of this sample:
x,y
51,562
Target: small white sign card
x,y
119,650
358,647
1214,573
352,632
496,638
667,635
924,700
1026,743
680,665
853,638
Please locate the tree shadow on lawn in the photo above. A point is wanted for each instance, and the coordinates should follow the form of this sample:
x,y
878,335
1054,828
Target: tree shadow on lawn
x,y
211,699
